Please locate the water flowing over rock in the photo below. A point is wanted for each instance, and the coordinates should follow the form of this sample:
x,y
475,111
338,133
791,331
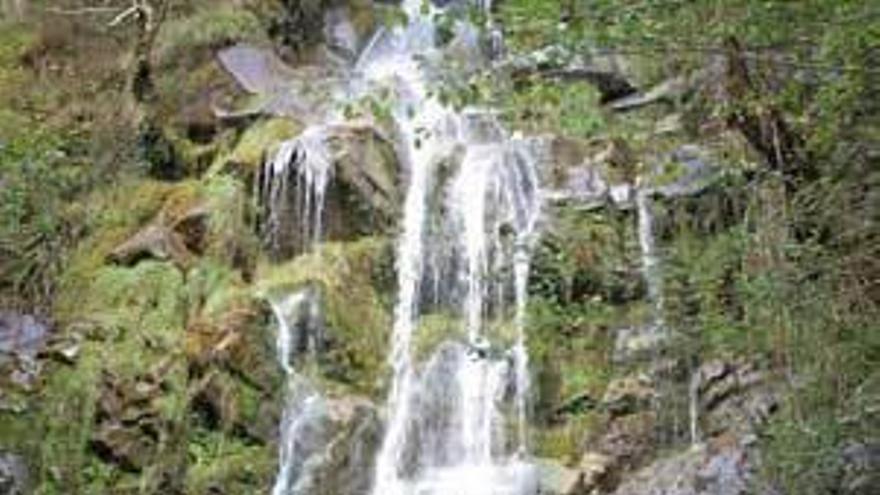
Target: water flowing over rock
x,y
331,182
303,431
475,226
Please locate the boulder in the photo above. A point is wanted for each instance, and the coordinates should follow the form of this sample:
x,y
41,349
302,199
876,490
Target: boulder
x,y
628,441
22,334
734,396
23,338
362,195
722,468
639,344
14,476
596,472
166,239
584,478
355,436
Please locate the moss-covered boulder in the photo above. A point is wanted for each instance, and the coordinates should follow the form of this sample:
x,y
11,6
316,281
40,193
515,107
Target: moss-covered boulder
x,y
348,277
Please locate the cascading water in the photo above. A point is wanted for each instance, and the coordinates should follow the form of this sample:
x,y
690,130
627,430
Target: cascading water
x,y
294,184
445,429
446,417
650,260
293,187
302,424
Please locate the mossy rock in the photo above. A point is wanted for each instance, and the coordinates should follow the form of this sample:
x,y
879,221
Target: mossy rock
x,y
358,323
256,143
209,25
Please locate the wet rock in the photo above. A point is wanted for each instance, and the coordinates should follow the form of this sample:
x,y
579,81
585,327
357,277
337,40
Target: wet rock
x,y
362,195
302,93
14,477
357,435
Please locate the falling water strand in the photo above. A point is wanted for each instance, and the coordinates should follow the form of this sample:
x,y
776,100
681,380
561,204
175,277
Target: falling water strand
x,y
650,262
416,154
304,411
461,449
694,406
308,158
527,203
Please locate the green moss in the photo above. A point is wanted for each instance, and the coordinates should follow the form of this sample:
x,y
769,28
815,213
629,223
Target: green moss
x,y
358,322
219,462
133,320
434,329
210,27
14,42
565,441
257,141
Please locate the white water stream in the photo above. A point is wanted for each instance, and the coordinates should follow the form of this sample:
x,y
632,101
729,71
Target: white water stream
x,y
448,415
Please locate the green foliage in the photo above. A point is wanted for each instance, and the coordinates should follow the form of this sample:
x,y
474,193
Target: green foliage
x,y
566,109
39,181
534,24
210,27
216,460
258,141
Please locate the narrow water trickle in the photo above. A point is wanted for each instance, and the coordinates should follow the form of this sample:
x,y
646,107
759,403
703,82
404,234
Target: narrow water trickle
x,y
694,406
302,429
650,260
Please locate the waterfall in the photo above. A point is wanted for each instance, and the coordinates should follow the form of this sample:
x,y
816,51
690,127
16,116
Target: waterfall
x,y
694,406
650,260
476,187
293,187
446,419
302,428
